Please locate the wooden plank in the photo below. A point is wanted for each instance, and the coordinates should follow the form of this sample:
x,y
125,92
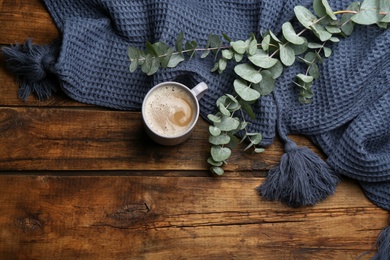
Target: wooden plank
x,y
177,218
23,19
93,139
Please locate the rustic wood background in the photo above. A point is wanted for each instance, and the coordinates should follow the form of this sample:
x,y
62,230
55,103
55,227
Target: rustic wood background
x,y
80,181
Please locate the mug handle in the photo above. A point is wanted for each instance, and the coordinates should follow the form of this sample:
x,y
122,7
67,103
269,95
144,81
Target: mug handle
x,y
199,90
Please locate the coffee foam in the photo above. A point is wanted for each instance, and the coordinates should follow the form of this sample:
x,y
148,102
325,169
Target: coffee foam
x,y
169,110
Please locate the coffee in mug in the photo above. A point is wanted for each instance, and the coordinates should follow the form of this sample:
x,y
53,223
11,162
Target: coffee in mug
x,y
170,111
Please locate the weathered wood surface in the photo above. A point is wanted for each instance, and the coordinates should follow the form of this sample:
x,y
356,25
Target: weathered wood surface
x,y
85,182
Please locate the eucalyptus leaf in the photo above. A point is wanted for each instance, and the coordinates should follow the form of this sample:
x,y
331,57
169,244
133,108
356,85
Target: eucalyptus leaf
x,y
347,25
219,140
252,46
333,29
244,91
179,42
175,59
321,32
214,118
223,109
214,163
248,72
239,46
262,59
214,131
276,70
290,34
368,13
304,16
220,154
133,66
265,42
267,85
227,54
222,63
227,123
322,8
305,78
314,71
327,52
217,170
150,65
165,60
300,49
238,57
287,54
248,109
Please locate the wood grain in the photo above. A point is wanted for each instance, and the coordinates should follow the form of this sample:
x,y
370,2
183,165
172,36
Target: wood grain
x,y
176,218
85,182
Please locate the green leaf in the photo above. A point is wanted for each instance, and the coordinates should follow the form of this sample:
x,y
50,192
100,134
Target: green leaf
x,y
334,39
239,46
150,50
262,59
300,49
321,32
179,42
347,25
227,38
314,45
238,57
175,59
259,150
160,48
276,70
248,72
322,8
304,16
214,131
327,52
133,66
227,123
214,163
248,109
314,71
220,154
165,60
219,140
223,109
133,53
384,6
217,170
290,34
150,65
222,63
287,54
305,78
368,13
214,118
273,36
244,91
252,46
215,42
227,54
265,42
333,29
267,85
191,47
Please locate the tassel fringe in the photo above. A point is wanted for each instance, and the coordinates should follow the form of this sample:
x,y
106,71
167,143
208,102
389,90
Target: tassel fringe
x,y
301,179
383,245
34,66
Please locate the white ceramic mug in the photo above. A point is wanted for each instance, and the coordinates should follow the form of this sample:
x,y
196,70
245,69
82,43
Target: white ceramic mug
x,y
170,111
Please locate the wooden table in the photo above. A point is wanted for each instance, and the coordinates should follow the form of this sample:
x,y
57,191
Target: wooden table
x,y
80,181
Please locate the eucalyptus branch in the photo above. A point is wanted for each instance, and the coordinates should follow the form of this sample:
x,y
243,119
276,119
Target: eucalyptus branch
x,y
258,64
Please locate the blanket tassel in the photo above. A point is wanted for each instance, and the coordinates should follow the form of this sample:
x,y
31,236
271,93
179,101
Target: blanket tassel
x,y
302,178
34,67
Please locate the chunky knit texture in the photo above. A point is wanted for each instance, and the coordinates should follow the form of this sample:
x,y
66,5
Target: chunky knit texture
x,y
350,114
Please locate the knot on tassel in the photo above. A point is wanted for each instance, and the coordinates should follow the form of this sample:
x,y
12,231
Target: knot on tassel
x,y
302,178
34,67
